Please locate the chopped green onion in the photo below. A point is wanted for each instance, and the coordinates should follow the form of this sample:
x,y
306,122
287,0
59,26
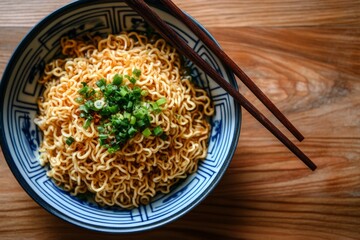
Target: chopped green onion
x,y
136,91
123,91
136,72
140,113
87,123
161,101
155,107
79,100
132,120
102,142
129,105
89,104
127,115
103,136
141,123
101,83
90,93
118,116
144,93
83,90
117,79
110,89
132,80
69,140
121,109
146,132
84,108
113,109
83,115
99,104
158,131
145,105
121,136
113,149
101,129
132,131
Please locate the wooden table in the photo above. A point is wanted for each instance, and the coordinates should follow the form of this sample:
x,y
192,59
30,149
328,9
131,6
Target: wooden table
x,y
305,55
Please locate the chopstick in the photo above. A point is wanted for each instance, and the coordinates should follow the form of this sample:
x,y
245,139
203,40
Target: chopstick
x,y
234,67
170,35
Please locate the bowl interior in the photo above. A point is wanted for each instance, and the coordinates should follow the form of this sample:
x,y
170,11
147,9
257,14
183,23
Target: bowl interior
x,y
20,137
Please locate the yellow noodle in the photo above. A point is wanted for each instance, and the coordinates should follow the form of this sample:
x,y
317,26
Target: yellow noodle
x,y
144,166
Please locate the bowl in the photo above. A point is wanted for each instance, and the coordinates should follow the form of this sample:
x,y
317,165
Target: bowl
x,y
20,137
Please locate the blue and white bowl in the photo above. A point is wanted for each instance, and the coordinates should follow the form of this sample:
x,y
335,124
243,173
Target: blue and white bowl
x,y
20,138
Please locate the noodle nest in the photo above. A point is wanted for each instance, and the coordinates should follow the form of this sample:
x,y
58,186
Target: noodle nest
x,y
144,166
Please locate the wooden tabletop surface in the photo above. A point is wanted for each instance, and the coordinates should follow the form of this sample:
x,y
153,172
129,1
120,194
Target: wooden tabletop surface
x,y
305,55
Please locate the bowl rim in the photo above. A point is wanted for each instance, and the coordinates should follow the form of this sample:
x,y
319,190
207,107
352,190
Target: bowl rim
x,y
21,180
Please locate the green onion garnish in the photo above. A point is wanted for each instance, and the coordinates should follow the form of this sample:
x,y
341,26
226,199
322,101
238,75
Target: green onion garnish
x,y
158,131
133,80
117,79
101,83
79,100
127,115
121,110
132,131
83,90
161,101
132,120
144,93
69,140
98,104
87,123
113,149
136,72
103,136
146,132
84,108
101,129
89,104
123,91
155,107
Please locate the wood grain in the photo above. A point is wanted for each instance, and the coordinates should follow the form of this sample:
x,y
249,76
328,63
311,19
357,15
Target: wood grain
x,y
230,13
305,56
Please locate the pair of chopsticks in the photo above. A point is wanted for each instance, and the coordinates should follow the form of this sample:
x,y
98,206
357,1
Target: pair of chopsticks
x,y
170,35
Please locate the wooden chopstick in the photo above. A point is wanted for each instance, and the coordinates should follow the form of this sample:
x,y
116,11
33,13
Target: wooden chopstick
x,y
170,35
234,67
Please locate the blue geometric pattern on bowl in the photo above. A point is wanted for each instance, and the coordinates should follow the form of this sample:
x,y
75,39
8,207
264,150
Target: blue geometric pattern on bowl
x,y
20,137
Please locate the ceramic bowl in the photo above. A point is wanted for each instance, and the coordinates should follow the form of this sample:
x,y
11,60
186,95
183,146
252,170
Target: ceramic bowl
x,y
20,138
